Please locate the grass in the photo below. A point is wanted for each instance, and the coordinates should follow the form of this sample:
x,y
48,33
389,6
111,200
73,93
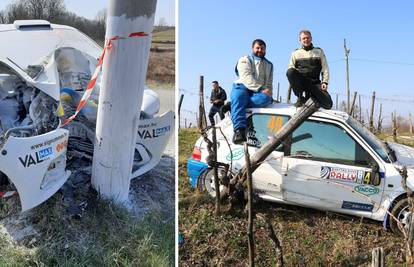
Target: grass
x,y
161,64
106,235
168,35
402,138
309,237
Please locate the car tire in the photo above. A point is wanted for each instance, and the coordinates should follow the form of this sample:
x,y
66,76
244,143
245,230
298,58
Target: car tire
x,y
207,181
401,211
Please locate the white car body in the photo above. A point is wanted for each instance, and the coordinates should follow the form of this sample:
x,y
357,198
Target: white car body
x,y
33,146
300,178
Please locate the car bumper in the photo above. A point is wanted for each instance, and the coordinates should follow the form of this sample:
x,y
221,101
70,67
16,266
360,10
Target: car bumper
x,y
36,165
194,170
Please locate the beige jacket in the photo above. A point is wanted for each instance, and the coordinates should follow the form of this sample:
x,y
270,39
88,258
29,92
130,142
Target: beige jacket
x,y
255,74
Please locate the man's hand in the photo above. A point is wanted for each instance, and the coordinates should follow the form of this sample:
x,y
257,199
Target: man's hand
x,y
324,87
267,92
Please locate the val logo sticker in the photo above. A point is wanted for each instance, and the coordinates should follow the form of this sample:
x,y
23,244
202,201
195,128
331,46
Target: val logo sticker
x,y
237,154
366,190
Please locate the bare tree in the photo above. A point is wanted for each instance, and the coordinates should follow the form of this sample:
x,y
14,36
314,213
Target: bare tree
x,y
162,22
3,17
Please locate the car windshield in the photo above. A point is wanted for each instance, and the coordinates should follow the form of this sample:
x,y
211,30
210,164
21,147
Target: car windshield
x,y
31,47
370,138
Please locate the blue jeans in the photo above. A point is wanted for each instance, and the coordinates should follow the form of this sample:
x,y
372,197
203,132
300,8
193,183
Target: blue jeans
x,y
242,98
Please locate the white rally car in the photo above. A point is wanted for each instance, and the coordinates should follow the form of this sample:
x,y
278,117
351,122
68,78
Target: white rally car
x,y
44,70
331,162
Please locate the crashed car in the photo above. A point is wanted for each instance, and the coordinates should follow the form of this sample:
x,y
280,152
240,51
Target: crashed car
x,y
331,162
44,70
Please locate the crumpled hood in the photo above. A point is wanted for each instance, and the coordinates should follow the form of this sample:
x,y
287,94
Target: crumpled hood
x,y
405,155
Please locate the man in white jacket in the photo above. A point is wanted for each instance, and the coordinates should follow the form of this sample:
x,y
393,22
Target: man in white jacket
x,y
253,88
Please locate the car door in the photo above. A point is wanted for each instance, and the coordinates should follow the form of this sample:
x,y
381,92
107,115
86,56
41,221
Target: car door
x,y
267,178
328,168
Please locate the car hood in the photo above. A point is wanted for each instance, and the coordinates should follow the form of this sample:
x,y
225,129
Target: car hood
x,y
405,155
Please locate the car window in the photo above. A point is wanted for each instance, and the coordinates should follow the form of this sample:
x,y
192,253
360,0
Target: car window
x,y
262,126
327,142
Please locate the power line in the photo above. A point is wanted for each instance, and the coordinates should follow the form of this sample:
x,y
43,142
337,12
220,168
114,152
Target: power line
x,y
382,61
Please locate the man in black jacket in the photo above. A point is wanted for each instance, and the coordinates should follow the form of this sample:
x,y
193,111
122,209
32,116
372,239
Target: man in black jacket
x,y
217,98
306,68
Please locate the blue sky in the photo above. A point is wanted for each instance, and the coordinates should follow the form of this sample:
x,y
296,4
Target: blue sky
x,y
214,34
89,8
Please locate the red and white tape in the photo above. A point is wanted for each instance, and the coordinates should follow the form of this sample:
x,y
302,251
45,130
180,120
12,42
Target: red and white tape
x,y
92,82
7,194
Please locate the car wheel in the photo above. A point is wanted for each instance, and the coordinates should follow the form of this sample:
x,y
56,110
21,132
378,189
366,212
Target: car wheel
x,y
401,211
208,183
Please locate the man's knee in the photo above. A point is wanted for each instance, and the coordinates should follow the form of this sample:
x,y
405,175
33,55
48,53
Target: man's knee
x,y
260,100
291,73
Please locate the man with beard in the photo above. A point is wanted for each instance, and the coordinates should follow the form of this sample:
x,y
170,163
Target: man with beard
x,y
306,66
253,88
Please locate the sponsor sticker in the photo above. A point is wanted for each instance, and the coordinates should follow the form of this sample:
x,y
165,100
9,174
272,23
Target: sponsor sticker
x,y
357,206
45,152
147,125
36,158
366,190
341,174
48,142
61,146
238,153
144,134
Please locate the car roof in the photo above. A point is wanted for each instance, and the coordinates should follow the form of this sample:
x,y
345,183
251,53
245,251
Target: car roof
x,y
290,110
29,42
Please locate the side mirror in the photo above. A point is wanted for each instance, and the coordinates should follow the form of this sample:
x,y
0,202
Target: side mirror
x,y
373,177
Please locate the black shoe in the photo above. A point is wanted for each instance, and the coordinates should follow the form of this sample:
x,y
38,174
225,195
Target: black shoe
x,y
239,136
299,102
226,107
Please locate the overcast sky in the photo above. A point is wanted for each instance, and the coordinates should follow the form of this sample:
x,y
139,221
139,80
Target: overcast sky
x,y
89,8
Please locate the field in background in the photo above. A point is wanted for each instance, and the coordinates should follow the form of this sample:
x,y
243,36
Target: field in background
x,y
161,66
309,237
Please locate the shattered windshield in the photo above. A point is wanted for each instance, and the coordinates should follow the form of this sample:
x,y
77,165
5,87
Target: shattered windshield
x,y
370,138
28,47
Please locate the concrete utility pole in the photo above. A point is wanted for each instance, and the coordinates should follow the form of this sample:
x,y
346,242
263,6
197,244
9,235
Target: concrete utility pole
x,y
123,76
347,77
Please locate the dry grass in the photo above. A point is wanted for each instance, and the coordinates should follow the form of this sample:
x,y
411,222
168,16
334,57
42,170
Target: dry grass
x,y
161,65
161,68
106,235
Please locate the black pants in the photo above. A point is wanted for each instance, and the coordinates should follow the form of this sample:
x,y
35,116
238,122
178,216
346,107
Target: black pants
x,y
301,84
213,110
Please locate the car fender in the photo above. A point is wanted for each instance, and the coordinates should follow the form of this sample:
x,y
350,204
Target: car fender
x,y
153,134
36,165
